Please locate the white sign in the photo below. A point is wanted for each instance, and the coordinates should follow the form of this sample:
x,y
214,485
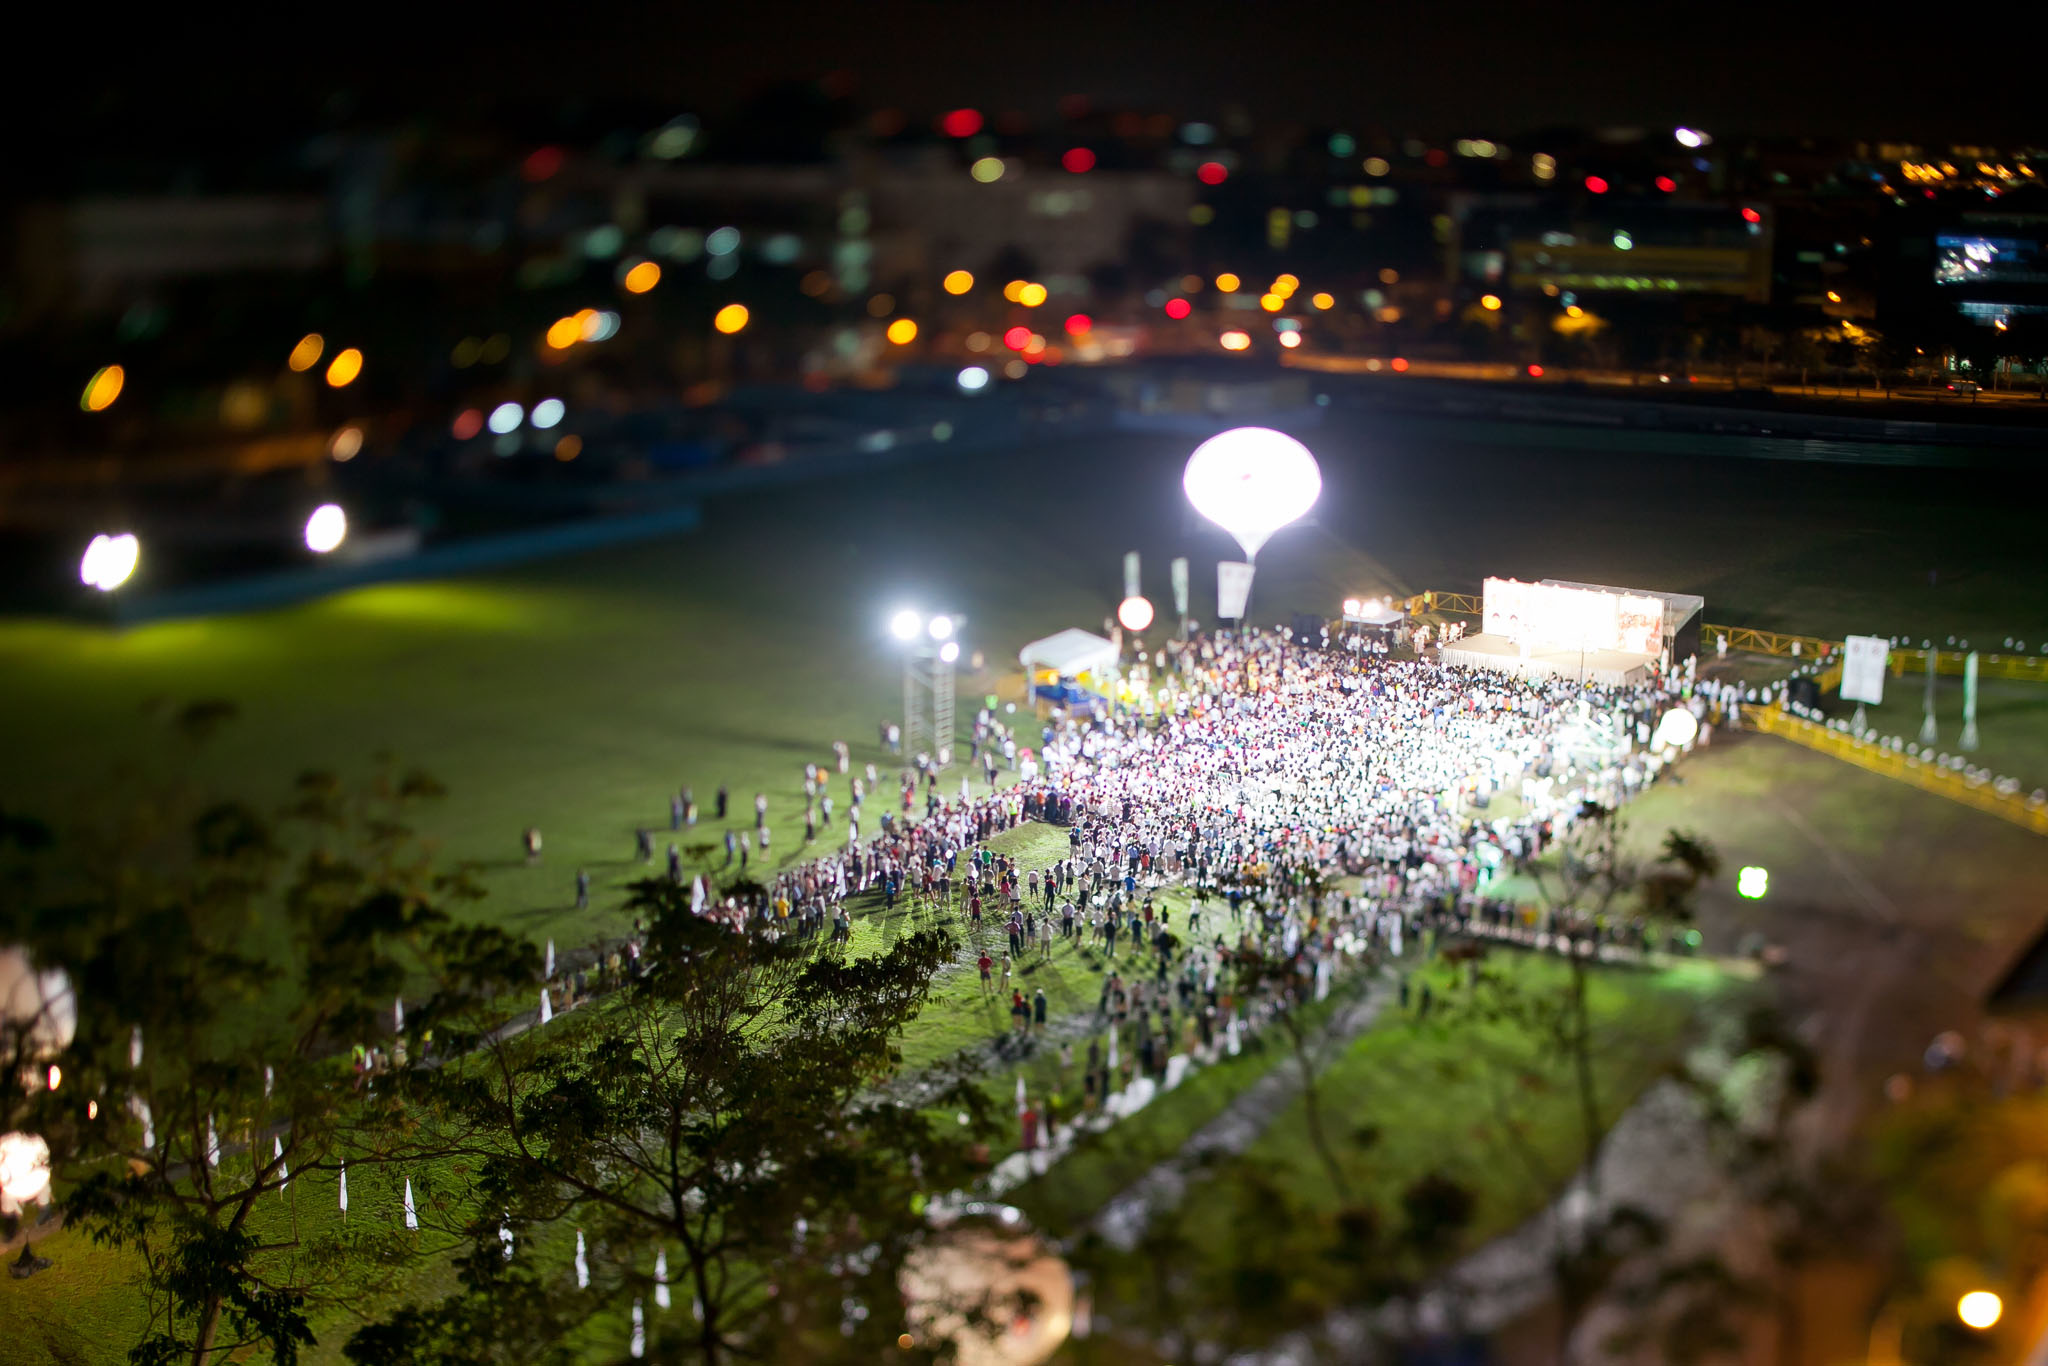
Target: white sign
x,y
1131,586
1233,588
1543,616
1863,661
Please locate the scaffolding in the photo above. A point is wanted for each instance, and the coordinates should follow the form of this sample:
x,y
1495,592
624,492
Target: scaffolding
x,y
928,724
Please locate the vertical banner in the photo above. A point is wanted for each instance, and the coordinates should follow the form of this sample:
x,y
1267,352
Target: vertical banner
x,y
1927,730
1180,585
1131,588
1863,662
1233,589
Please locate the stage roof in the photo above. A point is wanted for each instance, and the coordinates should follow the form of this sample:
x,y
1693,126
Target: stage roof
x,y
1679,608
1072,651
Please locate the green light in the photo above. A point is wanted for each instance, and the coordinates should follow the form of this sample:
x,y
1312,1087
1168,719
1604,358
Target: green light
x,y
1753,882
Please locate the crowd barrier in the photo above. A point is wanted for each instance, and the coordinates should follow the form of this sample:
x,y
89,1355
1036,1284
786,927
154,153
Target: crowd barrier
x,y
2022,809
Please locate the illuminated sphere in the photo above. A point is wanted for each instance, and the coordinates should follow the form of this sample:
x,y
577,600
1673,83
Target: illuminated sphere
x,y
1134,614
973,379
941,626
1251,481
109,560
326,528
905,625
24,1172
1979,1309
1678,729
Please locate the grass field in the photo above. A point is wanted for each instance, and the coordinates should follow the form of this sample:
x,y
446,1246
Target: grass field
x,y
577,695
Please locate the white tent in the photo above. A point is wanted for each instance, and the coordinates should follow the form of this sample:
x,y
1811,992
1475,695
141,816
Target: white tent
x,y
1072,651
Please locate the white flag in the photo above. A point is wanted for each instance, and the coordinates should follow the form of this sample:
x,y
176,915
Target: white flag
x,y
135,1046
212,1144
661,1278
412,1216
697,895
582,1264
284,1173
549,970
344,1188
547,1007
269,1079
1233,588
140,1109
505,1239
639,1347
1021,1102
398,1016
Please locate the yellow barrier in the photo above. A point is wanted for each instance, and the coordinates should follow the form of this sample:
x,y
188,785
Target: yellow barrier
x,y
2018,809
1451,604
1748,641
2025,668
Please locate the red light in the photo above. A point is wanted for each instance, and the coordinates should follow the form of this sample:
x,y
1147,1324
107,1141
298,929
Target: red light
x,y
1079,325
541,163
961,123
1596,184
1400,363
468,423
1750,215
1212,173
1666,184
1078,159
1017,338
1535,372
1178,308
1437,156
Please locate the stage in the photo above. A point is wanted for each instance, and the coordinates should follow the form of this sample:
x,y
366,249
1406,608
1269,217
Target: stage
x,y
1610,668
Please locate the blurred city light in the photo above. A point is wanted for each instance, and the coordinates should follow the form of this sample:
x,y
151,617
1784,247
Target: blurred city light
x,y
1134,614
1079,325
345,444
548,412
1234,340
722,241
1323,300
1228,283
940,627
1623,241
1078,159
1980,1309
1490,302
1543,166
1753,882
102,389
1290,340
906,624
1272,303
326,528
541,164
109,561
568,448
902,332
987,170
1017,338
343,369
599,324
1212,173
467,423
1690,137
306,354
564,333
1014,290
1285,285
730,319
506,417
1535,371
641,277
1666,184
1750,215
1032,295
958,282
1376,166
1178,308
961,123
1596,184
1399,365
973,379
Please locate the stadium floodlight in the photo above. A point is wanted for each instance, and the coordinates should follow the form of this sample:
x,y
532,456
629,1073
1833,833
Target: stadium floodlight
x,y
1252,481
326,528
940,626
973,379
109,561
1678,729
906,624
1134,614
950,651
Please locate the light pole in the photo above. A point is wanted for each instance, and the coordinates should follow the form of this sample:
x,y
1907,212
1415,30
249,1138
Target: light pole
x,y
929,654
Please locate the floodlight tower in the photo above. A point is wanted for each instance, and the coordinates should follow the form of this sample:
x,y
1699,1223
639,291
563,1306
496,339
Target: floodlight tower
x,y
928,658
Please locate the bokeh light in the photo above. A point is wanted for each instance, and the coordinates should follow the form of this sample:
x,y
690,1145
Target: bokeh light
x,y
1032,295
1015,288
1980,1309
103,388
306,354
987,170
730,319
1228,283
958,282
345,444
1666,184
972,379
1290,340
506,417
1285,285
1235,340
1323,300
1490,302
1134,613
326,528
1079,325
548,412
1753,882
641,277
1376,166
467,423
1178,308
1596,184
1272,303
902,332
564,333
109,561
343,369
961,123
568,448
1078,159
1399,365
1212,173
1017,338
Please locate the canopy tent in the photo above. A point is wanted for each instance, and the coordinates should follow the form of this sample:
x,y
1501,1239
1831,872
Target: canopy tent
x,y
1069,652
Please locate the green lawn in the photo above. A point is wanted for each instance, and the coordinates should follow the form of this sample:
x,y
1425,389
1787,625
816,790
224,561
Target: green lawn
x,y
2012,721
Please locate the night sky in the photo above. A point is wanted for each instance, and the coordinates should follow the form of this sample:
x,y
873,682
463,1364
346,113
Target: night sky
x,y
1437,69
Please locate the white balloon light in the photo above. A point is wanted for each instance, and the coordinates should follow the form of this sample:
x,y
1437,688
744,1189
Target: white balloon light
x,y
1251,481
24,1172
326,528
1678,729
1134,614
109,560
